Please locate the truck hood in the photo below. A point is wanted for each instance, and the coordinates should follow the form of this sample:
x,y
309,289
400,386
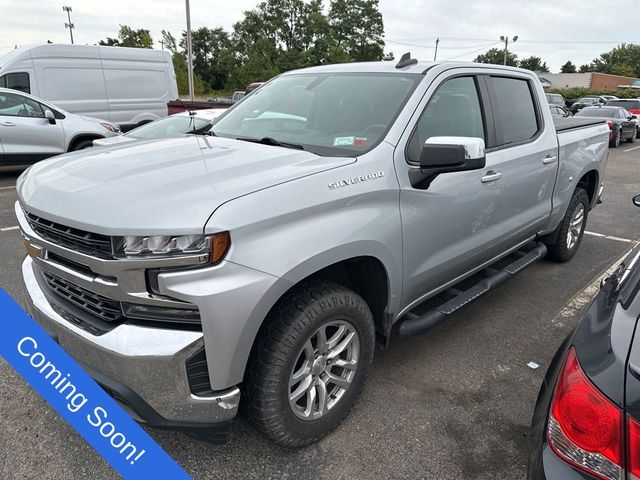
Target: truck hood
x,y
169,186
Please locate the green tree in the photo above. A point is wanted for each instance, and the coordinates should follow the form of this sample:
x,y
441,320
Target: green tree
x,y
586,68
212,55
356,30
169,41
534,64
128,37
496,57
568,67
622,60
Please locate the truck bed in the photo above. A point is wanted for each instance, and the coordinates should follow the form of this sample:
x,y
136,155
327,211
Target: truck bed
x,y
564,124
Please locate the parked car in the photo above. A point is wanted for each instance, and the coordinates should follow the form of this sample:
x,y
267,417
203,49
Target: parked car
x,y
325,208
127,86
555,99
237,95
609,97
177,106
632,105
253,86
198,122
31,129
586,102
586,423
622,125
559,111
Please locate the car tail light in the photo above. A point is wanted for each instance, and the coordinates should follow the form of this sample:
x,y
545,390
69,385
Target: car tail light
x,y
585,428
610,123
633,427
634,111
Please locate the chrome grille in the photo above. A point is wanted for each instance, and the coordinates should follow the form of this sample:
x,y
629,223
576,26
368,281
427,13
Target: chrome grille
x,y
102,307
85,242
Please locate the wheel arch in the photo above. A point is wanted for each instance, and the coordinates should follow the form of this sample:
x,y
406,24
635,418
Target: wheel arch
x,y
80,138
589,182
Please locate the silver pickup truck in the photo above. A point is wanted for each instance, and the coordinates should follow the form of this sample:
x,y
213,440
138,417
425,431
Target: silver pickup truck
x,y
334,208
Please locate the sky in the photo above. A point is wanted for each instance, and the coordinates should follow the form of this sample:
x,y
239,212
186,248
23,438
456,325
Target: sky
x,y
557,30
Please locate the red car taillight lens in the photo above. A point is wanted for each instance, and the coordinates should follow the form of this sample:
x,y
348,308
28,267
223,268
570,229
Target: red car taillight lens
x,y
585,427
633,427
634,111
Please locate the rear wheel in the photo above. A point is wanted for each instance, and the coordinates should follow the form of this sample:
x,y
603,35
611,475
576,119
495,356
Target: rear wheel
x,y
310,363
615,141
569,233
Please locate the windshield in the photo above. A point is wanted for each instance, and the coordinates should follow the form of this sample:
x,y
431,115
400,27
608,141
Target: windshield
x,y
165,127
328,114
588,100
597,112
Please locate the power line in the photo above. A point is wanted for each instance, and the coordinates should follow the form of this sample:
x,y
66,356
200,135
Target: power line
x,y
431,46
473,51
401,41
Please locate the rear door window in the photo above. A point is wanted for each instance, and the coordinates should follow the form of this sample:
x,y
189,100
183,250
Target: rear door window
x,y
515,110
17,81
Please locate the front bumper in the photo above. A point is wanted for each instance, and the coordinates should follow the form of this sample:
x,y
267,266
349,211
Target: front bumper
x,y
142,367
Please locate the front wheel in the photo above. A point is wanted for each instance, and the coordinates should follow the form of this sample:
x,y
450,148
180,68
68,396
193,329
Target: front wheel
x,y
571,230
310,363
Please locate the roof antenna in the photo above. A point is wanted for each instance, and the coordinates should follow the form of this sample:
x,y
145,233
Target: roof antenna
x,y
406,61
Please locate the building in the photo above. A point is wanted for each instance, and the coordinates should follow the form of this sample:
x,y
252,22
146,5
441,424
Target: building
x,y
592,80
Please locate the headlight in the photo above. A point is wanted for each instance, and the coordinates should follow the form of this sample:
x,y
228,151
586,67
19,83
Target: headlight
x,y
215,245
111,128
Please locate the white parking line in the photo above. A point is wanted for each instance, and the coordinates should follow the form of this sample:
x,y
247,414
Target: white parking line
x,y
8,229
631,149
12,187
583,298
609,237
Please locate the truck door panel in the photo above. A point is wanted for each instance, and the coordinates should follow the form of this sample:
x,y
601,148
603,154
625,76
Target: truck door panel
x,y
452,225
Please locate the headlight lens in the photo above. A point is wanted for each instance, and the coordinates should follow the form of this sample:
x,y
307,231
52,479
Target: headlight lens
x,y
215,245
111,128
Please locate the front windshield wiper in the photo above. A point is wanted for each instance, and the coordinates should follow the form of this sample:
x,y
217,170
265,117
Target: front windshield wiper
x,y
271,141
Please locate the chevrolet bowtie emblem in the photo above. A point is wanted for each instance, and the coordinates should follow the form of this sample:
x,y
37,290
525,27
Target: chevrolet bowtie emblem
x,y
32,250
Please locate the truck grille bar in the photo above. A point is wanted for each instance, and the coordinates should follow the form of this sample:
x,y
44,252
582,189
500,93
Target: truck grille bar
x,y
79,240
102,307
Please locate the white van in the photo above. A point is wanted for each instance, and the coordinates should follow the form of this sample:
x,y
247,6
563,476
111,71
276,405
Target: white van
x,y
129,86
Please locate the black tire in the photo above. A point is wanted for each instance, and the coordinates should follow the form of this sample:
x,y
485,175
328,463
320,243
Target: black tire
x,y
615,141
558,249
81,145
277,351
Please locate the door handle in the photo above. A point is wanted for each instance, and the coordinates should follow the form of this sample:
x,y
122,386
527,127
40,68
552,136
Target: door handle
x,y
491,176
8,124
549,159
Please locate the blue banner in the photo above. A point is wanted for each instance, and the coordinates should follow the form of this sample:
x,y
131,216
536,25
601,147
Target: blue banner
x,y
79,399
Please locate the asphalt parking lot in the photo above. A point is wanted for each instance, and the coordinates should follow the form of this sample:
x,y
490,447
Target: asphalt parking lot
x,y
455,403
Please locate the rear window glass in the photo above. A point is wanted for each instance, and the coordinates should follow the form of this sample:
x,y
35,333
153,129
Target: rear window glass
x,y
598,112
516,109
624,103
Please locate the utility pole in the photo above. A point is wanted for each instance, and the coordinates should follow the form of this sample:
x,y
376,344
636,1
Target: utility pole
x,y
505,39
69,25
162,44
435,54
189,52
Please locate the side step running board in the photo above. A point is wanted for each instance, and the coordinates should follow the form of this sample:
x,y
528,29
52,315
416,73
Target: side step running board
x,y
488,279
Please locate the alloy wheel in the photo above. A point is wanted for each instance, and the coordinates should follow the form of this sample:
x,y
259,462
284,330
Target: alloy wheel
x,y
324,370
